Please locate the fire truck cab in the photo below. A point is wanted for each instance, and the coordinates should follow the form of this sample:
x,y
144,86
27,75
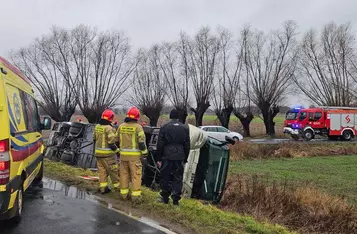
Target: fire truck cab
x,y
333,122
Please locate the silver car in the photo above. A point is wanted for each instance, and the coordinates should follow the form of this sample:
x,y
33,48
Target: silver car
x,y
220,133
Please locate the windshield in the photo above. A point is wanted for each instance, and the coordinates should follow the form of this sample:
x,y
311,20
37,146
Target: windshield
x,y
291,115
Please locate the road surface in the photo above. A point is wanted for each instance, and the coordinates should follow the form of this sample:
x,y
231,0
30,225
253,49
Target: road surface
x,y
56,208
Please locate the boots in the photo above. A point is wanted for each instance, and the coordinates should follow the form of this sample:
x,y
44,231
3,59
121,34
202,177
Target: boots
x,y
105,190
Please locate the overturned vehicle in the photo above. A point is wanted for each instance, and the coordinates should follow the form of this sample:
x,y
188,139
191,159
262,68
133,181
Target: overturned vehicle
x,y
72,143
204,175
205,172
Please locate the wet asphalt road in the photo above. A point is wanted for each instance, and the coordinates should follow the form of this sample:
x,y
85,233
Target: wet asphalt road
x,y
68,210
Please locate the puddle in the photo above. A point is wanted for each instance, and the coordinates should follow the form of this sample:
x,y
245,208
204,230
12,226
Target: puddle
x,y
73,192
68,191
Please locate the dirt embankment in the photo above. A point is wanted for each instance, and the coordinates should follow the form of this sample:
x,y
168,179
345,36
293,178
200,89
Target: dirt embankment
x,y
304,209
246,150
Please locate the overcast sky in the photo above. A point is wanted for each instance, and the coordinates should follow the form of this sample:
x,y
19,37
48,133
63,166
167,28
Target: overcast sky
x,y
150,21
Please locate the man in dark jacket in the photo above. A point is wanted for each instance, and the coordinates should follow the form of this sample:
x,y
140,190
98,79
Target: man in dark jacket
x,y
173,148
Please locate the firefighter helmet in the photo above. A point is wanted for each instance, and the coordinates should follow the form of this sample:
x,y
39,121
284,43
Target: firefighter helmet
x,y
133,113
108,115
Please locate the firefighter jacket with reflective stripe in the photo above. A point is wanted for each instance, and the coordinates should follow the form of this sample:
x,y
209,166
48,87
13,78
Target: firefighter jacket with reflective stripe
x,y
132,140
105,139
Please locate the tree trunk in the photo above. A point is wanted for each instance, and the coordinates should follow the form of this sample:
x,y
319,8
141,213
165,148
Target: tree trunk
x,y
153,114
200,111
224,116
269,112
92,115
154,120
245,120
55,114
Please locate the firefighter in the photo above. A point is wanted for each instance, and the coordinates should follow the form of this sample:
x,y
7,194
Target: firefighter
x,y
132,147
106,151
173,148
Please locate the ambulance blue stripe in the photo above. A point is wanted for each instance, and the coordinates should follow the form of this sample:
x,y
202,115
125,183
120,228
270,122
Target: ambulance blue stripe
x,y
19,148
11,115
12,128
21,138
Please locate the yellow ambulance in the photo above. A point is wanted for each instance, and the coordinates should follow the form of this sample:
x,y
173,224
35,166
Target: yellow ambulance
x,y
21,144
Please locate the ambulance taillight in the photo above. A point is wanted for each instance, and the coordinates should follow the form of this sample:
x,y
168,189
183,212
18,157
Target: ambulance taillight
x,y
4,162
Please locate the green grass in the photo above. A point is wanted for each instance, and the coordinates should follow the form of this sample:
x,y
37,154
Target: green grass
x,y
335,175
192,214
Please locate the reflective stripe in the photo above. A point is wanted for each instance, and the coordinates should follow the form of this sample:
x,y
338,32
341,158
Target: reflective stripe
x,y
130,150
103,149
130,153
105,184
124,191
99,129
133,141
116,185
136,193
133,152
127,129
121,139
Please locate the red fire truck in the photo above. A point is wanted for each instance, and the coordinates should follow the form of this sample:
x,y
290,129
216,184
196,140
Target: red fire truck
x,y
333,122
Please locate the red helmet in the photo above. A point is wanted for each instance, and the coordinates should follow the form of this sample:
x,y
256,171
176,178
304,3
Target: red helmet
x,y
108,115
133,113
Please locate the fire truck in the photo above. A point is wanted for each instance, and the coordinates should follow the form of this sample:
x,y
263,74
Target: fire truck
x,y
333,122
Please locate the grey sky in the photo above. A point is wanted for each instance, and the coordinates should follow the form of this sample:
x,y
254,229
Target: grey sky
x,y
150,21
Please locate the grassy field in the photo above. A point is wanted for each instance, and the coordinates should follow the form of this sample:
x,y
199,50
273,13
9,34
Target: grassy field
x,y
191,217
335,175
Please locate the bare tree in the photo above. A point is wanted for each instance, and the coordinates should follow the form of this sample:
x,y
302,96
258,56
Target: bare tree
x,y
327,65
38,63
243,105
227,87
103,64
78,66
271,63
203,50
149,88
176,71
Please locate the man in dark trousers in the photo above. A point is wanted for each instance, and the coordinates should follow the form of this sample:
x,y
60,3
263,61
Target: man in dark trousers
x,y
173,148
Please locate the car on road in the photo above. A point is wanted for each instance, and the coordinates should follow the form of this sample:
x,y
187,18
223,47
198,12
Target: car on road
x,y
21,144
220,133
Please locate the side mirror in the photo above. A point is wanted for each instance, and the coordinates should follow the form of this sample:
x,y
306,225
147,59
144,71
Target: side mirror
x,y
230,140
47,122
